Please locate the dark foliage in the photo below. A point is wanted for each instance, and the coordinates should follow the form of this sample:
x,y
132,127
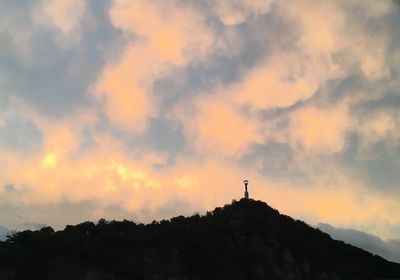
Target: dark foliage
x,y
243,240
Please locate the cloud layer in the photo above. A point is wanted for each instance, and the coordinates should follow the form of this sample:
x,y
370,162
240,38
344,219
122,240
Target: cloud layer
x,y
147,109
3,233
390,250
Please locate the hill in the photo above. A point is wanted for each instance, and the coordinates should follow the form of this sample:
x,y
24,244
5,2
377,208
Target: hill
x,y
243,240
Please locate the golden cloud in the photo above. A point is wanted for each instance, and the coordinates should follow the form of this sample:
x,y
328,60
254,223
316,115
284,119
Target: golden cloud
x,y
283,80
168,34
319,130
221,125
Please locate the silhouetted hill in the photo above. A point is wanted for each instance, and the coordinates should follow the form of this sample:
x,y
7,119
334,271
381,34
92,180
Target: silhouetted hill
x,y
389,249
243,240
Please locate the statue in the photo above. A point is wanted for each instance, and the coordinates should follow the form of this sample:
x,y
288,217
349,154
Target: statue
x,y
246,193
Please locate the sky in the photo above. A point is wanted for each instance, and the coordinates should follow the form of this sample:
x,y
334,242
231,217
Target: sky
x,y
146,110
390,249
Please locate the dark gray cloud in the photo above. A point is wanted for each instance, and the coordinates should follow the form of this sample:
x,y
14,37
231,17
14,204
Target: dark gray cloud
x,y
9,188
59,81
166,136
376,163
387,249
389,101
272,159
19,134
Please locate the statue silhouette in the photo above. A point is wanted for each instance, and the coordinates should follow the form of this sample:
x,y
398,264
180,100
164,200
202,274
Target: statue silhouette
x,y
246,193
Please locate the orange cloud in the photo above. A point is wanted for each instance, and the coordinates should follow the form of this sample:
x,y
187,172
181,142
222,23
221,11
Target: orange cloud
x,y
325,33
124,90
321,24
219,126
106,176
319,130
332,197
347,206
280,82
49,160
167,35
174,32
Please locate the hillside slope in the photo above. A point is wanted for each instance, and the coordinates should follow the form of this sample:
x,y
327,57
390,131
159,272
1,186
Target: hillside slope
x,y
244,240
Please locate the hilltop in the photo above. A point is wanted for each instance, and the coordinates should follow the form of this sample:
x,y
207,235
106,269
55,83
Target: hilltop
x,y
243,240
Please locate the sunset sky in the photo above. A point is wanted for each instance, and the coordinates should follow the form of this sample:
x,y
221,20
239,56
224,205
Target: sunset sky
x,y
148,109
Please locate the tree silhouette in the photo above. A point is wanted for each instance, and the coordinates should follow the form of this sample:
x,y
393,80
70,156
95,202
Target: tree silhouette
x,y
243,240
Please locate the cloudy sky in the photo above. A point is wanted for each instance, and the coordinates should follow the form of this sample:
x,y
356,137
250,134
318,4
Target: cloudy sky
x,y
149,109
